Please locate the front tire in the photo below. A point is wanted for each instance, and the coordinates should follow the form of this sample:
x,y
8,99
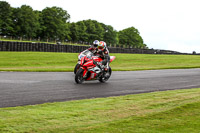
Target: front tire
x,y
104,78
76,68
79,76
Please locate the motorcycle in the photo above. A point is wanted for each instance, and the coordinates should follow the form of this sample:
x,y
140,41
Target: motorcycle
x,y
90,69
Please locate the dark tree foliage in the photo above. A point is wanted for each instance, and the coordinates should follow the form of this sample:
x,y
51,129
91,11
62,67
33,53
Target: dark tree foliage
x,y
110,35
26,22
94,30
78,32
6,24
53,22
90,30
74,32
131,37
81,30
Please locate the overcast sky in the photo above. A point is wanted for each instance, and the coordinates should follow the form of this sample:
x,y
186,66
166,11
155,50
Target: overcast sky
x,y
163,24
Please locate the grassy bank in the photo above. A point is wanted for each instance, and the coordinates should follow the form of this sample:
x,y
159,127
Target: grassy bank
x,y
44,61
170,111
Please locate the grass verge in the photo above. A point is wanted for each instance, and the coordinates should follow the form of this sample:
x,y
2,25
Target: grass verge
x,y
46,61
176,111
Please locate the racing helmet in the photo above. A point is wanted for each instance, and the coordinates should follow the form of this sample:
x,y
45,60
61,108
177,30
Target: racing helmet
x,y
95,43
101,45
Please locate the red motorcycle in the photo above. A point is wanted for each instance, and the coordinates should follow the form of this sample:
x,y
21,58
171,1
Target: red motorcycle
x,y
91,70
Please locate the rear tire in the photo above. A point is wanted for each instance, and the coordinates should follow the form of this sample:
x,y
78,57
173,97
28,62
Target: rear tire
x,y
103,79
79,76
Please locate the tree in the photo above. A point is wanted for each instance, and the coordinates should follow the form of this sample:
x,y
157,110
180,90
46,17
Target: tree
x,y
94,30
6,25
26,21
74,32
131,37
110,35
53,21
81,31
67,32
78,32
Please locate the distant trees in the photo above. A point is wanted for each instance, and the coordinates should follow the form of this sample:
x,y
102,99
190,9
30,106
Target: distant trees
x,y
131,37
90,30
52,23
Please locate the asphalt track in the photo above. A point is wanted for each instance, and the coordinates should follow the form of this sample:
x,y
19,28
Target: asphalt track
x,y
27,88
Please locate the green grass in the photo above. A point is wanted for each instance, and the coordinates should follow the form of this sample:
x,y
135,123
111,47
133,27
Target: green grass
x,y
36,61
170,111
175,111
131,62
46,61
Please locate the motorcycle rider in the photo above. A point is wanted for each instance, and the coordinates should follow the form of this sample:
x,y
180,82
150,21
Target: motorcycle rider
x,y
103,53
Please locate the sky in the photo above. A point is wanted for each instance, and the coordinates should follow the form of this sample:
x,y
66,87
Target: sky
x,y
163,24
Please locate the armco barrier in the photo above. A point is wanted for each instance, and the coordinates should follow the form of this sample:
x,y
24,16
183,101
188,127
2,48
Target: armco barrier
x,y
44,47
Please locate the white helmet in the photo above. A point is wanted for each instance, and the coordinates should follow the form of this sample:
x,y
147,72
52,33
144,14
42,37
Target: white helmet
x,y
95,43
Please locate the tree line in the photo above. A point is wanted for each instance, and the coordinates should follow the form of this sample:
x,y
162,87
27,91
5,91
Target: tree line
x,y
53,23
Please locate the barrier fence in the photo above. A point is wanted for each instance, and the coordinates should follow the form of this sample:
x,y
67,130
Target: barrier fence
x,y
44,47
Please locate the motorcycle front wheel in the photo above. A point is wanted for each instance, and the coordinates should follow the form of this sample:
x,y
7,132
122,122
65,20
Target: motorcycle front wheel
x,y
76,68
79,76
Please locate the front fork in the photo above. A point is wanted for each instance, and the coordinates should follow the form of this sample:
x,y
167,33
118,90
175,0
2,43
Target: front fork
x,y
84,72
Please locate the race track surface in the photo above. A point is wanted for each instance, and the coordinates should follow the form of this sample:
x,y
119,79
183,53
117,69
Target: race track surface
x,y
26,88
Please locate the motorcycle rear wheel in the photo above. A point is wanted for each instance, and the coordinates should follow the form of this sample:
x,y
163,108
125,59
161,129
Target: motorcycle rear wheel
x,y
79,76
103,79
